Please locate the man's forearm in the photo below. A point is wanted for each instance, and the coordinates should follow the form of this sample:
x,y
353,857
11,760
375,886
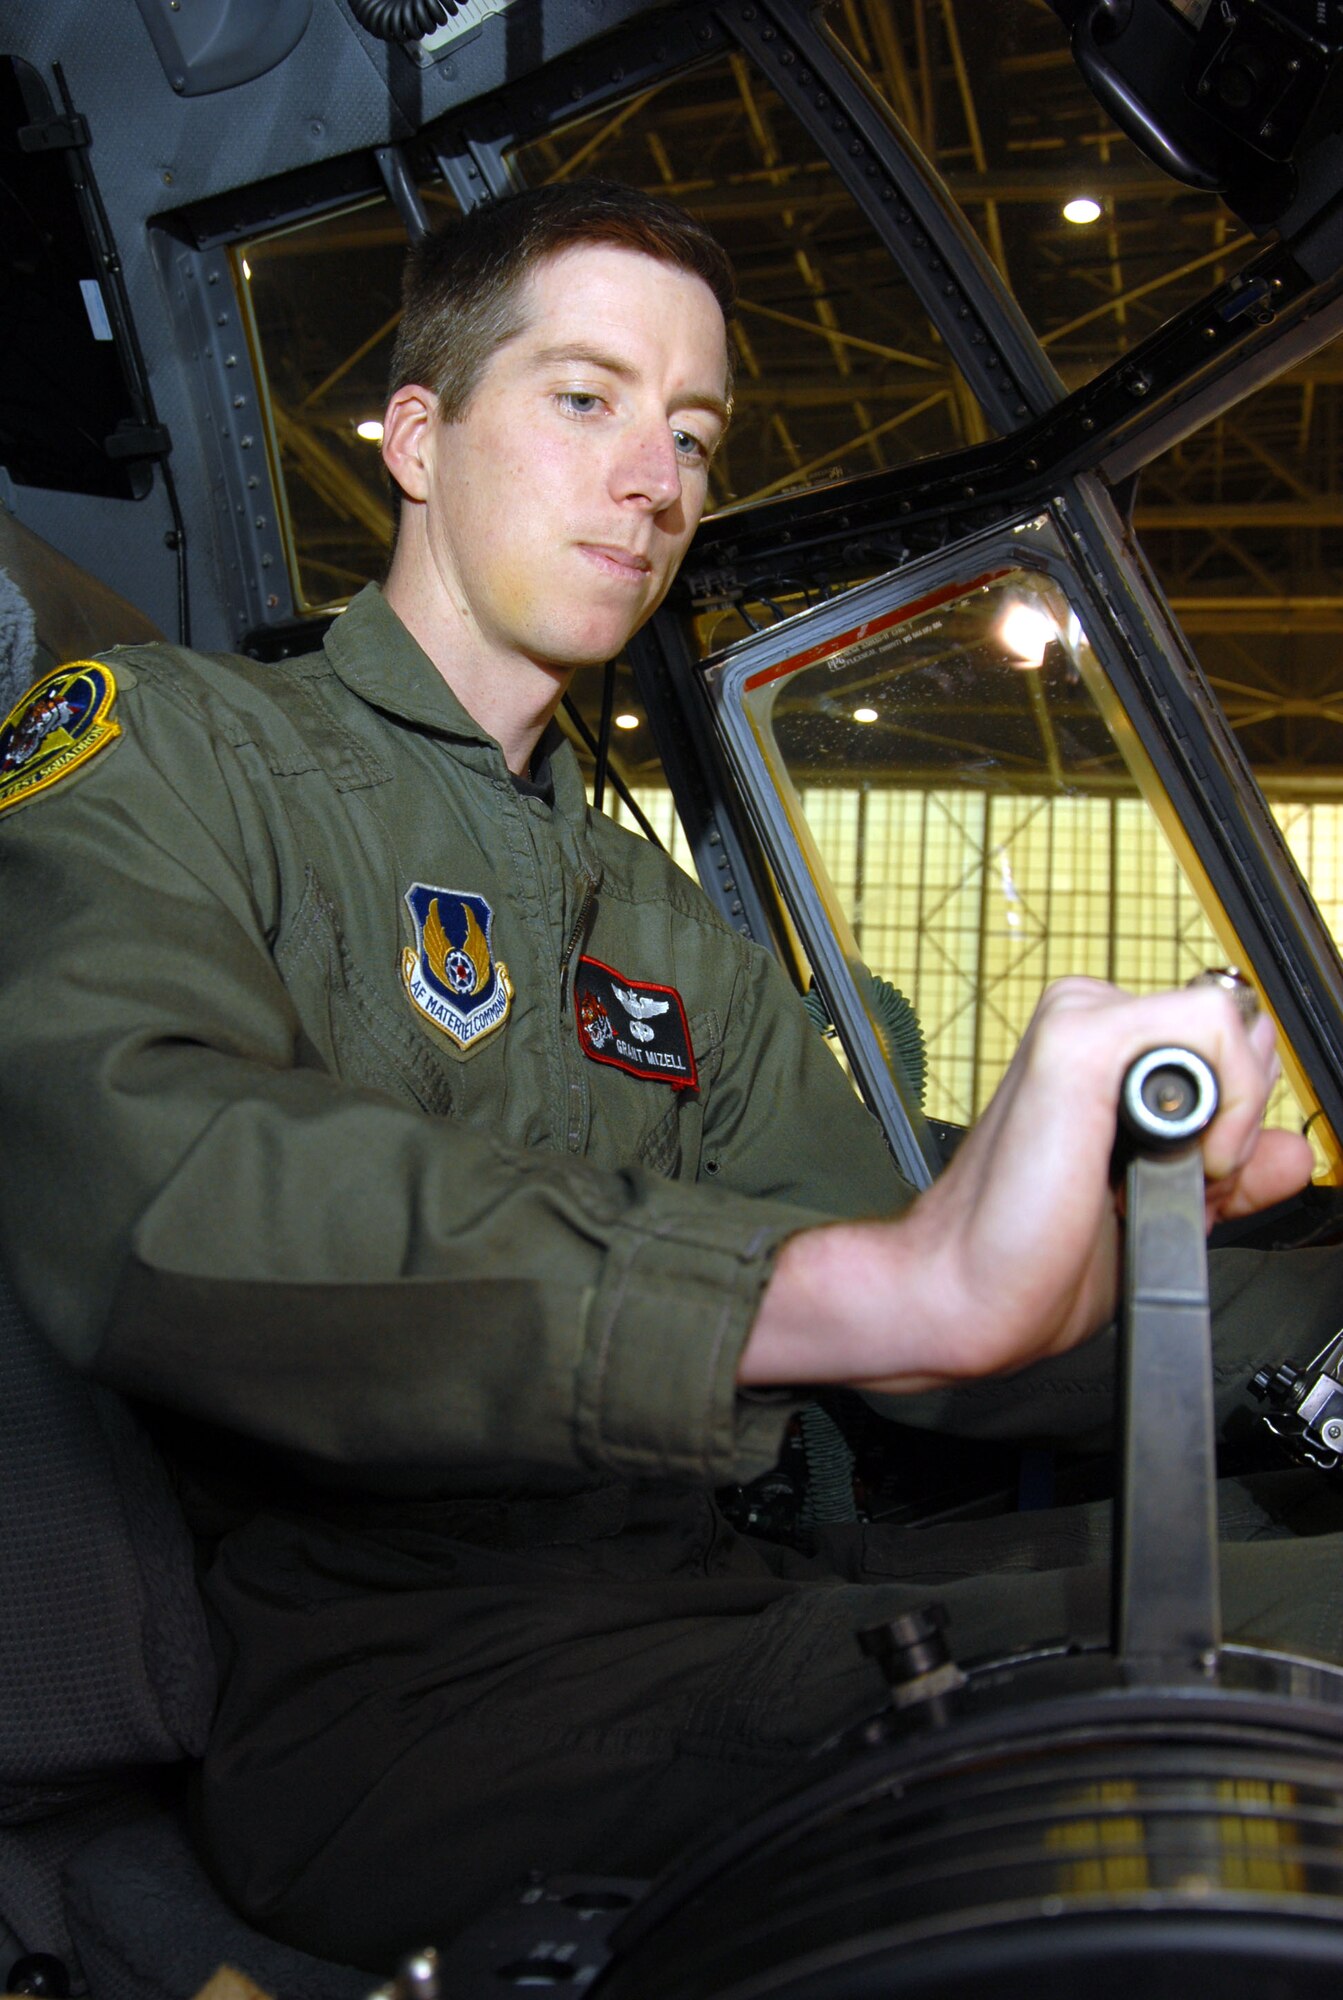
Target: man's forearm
x,y
1013,1254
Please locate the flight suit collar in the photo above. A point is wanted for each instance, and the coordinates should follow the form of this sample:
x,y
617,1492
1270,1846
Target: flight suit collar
x,y
376,658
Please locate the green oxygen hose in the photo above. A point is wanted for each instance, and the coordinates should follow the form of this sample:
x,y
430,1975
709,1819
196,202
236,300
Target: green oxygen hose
x,y
830,1464
898,1029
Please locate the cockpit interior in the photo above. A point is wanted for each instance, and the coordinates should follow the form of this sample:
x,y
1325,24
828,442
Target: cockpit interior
x,y
1008,647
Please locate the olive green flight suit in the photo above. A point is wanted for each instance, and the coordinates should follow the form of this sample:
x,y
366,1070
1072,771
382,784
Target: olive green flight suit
x,y
477,1311
304,1212
245,1179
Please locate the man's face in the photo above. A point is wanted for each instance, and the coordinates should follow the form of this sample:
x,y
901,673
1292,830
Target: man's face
x,y
558,507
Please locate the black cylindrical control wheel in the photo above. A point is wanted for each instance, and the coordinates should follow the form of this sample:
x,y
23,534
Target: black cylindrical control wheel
x,y
1169,1096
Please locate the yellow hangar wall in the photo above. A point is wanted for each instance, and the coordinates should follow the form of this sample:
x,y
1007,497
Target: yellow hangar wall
x,y
970,902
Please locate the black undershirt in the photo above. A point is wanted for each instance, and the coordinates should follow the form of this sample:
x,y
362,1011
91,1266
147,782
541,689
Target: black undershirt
x,y
541,783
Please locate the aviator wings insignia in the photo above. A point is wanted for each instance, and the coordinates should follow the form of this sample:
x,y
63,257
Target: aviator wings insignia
x,y
451,976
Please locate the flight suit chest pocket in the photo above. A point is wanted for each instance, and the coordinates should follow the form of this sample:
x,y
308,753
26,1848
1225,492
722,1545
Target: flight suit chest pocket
x,y
673,1136
352,1028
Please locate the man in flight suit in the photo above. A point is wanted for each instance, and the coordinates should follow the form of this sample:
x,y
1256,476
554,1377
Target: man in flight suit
x,y
467,1201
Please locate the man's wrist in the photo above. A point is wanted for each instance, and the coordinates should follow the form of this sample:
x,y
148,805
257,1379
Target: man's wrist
x,y
833,1292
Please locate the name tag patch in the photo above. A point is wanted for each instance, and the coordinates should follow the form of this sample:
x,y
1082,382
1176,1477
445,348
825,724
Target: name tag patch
x,y
633,1025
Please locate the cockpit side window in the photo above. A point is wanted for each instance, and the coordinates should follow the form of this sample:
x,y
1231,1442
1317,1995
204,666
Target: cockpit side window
x,y
322,302
954,796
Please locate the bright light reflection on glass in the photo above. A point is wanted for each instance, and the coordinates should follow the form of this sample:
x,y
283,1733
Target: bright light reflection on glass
x,y
371,429
1082,210
627,721
1026,631
865,715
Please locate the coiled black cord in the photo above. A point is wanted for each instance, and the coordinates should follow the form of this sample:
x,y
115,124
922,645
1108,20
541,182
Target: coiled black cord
x,y
402,20
899,1029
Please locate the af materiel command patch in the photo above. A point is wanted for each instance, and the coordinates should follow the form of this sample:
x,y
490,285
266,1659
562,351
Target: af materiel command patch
x,y
59,725
451,975
633,1025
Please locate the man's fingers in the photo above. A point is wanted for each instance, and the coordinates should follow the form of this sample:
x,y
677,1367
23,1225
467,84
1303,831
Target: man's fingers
x,y
1248,1069
1013,1253
1280,1164
1264,1038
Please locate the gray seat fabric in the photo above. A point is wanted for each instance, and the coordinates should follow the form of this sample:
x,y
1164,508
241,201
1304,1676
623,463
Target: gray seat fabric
x,y
149,1925
19,653
52,611
104,1655
108,1686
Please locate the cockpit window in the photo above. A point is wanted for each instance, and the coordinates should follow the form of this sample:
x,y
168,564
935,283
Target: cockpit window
x,y
322,301
954,799
839,370
1098,245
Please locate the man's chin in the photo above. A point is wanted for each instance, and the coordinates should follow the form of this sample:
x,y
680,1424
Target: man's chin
x,y
593,646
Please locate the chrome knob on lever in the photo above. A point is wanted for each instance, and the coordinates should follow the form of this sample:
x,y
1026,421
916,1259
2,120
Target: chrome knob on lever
x,y
1169,1097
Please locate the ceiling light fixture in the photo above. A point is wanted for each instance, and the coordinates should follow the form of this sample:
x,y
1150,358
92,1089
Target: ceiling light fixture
x,y
370,430
1082,209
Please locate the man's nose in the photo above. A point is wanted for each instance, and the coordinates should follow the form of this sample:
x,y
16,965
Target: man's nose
x,y
648,468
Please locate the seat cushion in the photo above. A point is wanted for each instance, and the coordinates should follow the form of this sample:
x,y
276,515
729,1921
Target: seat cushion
x,y
148,1924
103,1644
104,1655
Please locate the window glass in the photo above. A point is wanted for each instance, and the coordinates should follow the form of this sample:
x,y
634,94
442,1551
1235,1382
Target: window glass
x,y
839,371
323,302
1243,525
994,99
966,802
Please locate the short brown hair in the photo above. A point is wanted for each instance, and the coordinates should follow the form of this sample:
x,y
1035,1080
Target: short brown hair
x,y
460,294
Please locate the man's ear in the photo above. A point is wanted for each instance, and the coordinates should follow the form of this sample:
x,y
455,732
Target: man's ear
x,y
407,426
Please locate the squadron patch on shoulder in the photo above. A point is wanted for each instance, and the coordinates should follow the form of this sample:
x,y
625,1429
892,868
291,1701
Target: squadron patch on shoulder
x,y
633,1025
60,723
451,975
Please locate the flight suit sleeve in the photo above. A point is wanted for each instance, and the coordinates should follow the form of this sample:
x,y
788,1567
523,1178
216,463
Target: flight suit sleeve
x,y
784,1125
198,1218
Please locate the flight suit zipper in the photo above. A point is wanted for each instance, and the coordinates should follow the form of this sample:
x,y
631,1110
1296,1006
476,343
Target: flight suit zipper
x,y
577,1091
576,931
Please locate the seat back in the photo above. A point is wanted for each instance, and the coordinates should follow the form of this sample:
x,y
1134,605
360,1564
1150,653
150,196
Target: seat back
x,y
107,1680
104,1654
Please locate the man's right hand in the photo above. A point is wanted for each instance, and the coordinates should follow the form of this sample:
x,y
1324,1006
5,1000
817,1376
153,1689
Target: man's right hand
x,y
1013,1254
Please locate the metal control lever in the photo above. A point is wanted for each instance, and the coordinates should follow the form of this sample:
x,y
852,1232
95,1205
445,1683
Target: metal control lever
x,y
1167,1609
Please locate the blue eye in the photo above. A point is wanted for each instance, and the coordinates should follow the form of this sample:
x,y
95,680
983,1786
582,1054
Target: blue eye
x,y
579,402
689,446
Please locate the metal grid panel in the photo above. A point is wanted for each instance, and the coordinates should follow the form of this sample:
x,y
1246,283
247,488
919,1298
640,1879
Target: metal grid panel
x,y
971,902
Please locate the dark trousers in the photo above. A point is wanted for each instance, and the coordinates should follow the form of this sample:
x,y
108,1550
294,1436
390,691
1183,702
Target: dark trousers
x,y
421,1702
